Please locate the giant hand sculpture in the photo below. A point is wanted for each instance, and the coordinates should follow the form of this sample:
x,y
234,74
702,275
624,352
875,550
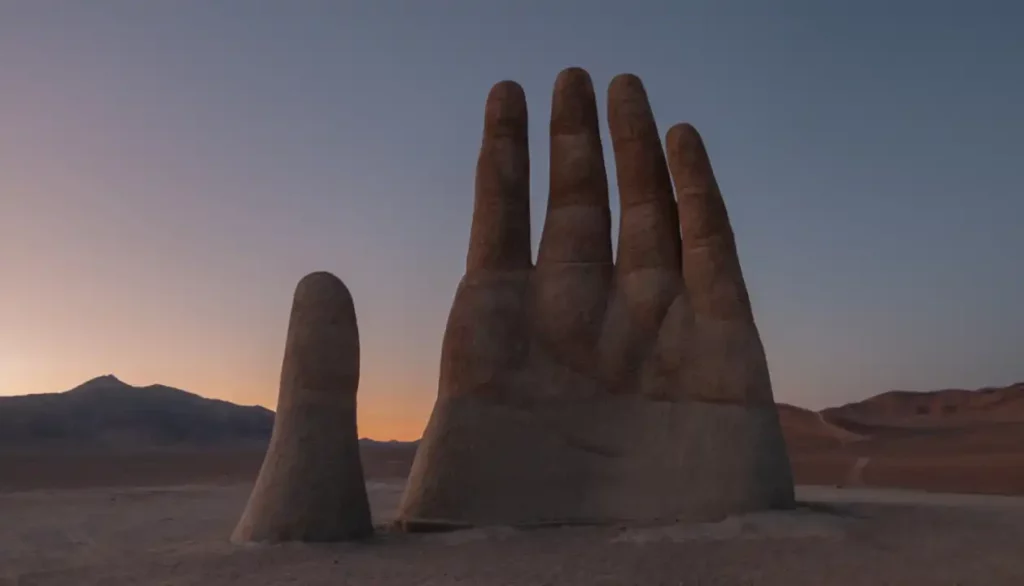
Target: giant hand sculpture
x,y
583,390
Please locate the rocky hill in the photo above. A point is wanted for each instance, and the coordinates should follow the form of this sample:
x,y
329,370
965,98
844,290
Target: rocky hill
x,y
108,413
945,423
808,430
945,408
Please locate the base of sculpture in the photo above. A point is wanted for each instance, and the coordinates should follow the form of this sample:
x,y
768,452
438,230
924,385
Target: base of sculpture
x,y
310,487
610,460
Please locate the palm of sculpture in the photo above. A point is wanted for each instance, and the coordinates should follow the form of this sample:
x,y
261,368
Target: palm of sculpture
x,y
582,390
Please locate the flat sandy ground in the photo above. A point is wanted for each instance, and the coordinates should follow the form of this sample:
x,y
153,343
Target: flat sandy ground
x,y
178,535
937,468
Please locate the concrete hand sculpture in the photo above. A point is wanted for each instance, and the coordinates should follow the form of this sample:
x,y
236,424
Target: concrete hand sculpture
x,y
582,390
311,485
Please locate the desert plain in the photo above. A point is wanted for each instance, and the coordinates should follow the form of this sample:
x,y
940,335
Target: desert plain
x,y
164,517
901,488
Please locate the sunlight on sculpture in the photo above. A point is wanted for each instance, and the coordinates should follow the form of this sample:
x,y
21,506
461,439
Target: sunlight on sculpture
x,y
587,390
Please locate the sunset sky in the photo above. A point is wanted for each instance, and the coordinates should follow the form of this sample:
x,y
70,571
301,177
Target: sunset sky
x,y
170,169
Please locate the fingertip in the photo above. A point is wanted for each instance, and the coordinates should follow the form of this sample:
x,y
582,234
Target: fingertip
x,y
505,110
322,348
629,112
626,85
321,282
688,159
683,136
322,293
318,277
574,79
573,105
507,91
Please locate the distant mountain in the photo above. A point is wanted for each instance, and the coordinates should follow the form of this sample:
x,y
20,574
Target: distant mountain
x,y
108,413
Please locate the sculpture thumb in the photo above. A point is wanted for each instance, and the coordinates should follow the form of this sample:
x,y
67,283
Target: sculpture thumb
x,y
311,487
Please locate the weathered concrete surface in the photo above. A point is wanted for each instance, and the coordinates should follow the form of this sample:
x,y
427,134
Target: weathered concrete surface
x,y
611,459
584,390
311,486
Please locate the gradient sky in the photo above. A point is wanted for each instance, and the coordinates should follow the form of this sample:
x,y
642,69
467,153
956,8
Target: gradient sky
x,y
170,169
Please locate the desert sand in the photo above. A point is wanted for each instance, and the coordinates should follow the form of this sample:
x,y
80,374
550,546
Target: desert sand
x,y
178,535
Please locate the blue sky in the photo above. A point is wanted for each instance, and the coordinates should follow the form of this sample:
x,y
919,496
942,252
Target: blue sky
x,y
171,169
